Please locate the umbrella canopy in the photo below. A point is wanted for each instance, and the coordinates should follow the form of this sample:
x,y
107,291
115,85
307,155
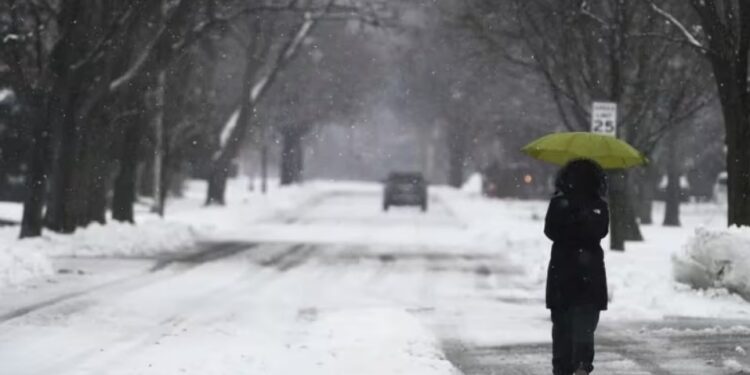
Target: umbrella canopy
x,y
609,152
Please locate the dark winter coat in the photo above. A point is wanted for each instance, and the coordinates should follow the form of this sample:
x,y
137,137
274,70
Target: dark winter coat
x,y
576,275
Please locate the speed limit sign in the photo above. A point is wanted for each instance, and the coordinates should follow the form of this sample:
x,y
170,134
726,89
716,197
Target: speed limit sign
x,y
604,118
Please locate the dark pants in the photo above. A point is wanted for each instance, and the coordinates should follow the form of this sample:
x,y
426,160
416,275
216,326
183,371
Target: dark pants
x,y
573,339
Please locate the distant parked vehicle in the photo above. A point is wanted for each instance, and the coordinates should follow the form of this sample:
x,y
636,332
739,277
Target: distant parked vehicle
x,y
405,189
514,181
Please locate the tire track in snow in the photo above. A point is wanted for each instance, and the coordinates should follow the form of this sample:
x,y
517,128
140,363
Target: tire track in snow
x,y
213,252
291,258
188,307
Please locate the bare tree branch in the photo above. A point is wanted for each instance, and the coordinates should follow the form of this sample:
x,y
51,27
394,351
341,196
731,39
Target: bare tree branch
x,y
689,37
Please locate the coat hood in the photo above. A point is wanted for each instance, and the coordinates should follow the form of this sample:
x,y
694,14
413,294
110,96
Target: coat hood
x,y
582,177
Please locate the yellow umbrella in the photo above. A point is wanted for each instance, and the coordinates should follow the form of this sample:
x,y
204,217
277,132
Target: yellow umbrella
x,y
609,152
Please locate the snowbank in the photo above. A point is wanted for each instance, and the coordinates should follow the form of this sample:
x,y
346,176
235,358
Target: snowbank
x,y
473,184
716,258
29,259
20,263
119,240
187,221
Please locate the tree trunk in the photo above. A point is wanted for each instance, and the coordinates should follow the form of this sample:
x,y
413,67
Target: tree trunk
x,y
729,60
125,182
67,140
738,164
166,179
97,161
673,192
730,72
217,182
299,165
251,94
623,225
158,121
96,198
646,192
645,211
264,166
36,178
291,156
456,155
74,93
738,170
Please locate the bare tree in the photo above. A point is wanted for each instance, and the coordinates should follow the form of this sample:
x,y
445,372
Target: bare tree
x,y
596,51
261,71
269,57
719,30
78,62
25,53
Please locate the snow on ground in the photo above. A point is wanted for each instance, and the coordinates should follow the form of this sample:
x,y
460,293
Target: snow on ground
x,y
244,206
398,227
117,240
641,279
392,339
187,222
27,260
473,184
11,212
19,264
334,286
716,258
231,316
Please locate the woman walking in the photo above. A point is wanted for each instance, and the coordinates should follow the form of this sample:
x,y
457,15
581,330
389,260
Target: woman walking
x,y
577,220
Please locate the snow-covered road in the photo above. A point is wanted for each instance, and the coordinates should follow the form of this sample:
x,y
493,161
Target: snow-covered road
x,y
334,287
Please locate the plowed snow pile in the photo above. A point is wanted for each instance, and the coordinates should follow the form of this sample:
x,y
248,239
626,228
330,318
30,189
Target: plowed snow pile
x,y
716,258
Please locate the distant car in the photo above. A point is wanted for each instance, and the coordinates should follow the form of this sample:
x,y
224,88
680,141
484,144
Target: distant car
x,y
405,189
514,181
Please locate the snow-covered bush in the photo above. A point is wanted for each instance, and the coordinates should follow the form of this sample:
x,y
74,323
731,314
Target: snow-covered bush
x,y
716,259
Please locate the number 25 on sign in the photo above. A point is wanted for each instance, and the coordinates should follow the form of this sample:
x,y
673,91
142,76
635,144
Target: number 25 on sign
x,y
604,118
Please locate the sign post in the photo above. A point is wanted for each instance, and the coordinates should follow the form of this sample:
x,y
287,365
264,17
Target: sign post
x,y
604,118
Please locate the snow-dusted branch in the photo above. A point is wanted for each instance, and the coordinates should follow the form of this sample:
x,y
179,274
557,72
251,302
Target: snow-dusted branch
x,y
229,126
689,37
264,82
136,67
586,12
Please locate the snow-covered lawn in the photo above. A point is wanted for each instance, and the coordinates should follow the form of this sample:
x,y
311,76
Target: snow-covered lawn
x,y
641,280
187,222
